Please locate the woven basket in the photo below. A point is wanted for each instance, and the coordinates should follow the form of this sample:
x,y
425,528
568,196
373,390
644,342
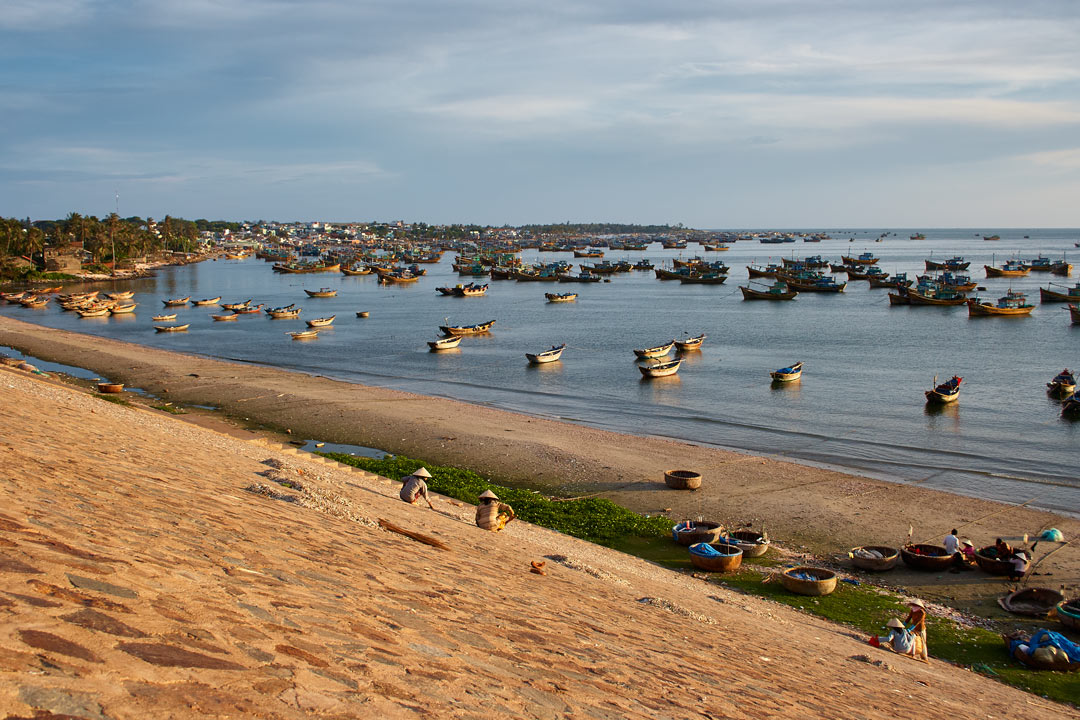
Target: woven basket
x,y
703,532
892,555
682,479
1067,616
938,561
729,562
825,583
110,387
752,544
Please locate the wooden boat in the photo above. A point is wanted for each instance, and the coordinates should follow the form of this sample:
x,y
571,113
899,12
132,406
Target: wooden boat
x,y
987,560
207,301
1068,613
665,274
470,290
926,557
716,556
932,295
690,533
125,295
752,543
1010,304
948,280
917,236
164,318
15,297
172,328
953,263
867,258
663,369
1070,406
321,322
813,284
126,309
1071,294
991,237
1012,268
588,253
1061,268
579,278
887,561
110,388
284,314
1040,264
1032,602
304,334
94,312
547,356
788,374
703,279
560,297
321,293
467,329
248,310
946,392
236,306
1074,313
806,580
445,343
655,352
235,256
896,280
1064,383
353,272
225,318
177,302
769,271
777,291
362,313
682,479
34,302
690,343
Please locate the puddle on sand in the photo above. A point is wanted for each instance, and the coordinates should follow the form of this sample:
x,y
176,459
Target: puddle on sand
x,y
358,450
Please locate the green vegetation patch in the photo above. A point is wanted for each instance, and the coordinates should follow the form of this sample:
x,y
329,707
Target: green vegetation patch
x,y
169,408
592,519
114,399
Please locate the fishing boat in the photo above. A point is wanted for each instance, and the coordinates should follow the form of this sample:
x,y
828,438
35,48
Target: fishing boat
x,y
759,271
660,369
580,278
694,278
547,356
933,295
470,290
172,328
1064,383
1010,268
164,318
643,264
777,291
248,309
15,297
866,272
94,312
1040,264
867,258
1070,294
1074,312
398,277
813,283
954,263
232,307
946,392
177,302
352,272
560,297
467,329
207,301
444,343
125,295
225,318
284,313
304,334
588,253
125,309
690,343
1011,303
321,293
948,280
788,374
1070,406
362,313
655,352
991,237
897,280
321,322
917,236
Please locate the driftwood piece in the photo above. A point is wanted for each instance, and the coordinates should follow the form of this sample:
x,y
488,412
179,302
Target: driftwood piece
x,y
418,537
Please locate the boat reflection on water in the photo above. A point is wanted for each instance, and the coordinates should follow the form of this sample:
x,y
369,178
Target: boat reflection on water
x,y
792,388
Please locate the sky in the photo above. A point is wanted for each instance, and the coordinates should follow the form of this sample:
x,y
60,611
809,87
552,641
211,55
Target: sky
x,y
749,114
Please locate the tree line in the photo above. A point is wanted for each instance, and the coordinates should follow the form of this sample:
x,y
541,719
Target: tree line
x,y
105,239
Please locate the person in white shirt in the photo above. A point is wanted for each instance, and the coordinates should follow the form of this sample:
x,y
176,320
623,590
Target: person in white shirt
x,y
952,543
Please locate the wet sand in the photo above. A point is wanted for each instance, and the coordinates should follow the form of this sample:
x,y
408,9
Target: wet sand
x,y
822,511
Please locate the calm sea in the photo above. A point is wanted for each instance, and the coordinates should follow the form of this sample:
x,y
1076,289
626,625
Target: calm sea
x,y
859,405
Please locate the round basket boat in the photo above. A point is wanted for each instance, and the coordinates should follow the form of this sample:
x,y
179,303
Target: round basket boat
x,y
824,581
986,559
701,532
111,388
728,560
890,556
1032,602
1068,613
682,479
926,557
752,544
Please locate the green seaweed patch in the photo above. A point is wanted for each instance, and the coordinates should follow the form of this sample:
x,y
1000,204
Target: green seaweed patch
x,y
593,519
169,409
114,399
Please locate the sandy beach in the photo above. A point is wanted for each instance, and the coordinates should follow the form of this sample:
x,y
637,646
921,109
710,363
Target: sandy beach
x,y
151,567
822,511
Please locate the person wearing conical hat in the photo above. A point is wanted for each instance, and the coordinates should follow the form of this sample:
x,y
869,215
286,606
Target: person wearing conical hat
x,y
1020,565
415,487
899,639
492,514
916,623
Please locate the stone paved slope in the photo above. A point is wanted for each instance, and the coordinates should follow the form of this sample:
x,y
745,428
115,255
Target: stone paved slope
x,y
140,577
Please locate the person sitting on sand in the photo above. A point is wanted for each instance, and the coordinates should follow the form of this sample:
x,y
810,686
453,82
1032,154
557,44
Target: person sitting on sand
x,y
900,640
916,623
967,554
1002,549
415,488
492,514
1020,565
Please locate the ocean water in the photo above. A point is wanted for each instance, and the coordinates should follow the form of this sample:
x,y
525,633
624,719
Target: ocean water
x,y
859,406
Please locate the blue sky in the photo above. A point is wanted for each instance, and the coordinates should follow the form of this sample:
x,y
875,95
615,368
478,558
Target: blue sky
x,y
758,113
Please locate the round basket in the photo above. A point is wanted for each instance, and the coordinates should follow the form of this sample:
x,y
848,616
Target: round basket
x,y
888,562
703,532
751,543
110,387
926,557
986,559
682,479
823,585
1068,613
729,561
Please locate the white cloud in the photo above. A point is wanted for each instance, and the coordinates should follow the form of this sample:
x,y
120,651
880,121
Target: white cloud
x,y
38,15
